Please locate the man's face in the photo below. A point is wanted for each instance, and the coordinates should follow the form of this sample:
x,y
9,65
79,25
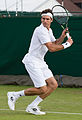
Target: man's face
x,y
46,21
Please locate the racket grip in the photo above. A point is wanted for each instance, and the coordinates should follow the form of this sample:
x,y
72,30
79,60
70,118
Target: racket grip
x,y
67,34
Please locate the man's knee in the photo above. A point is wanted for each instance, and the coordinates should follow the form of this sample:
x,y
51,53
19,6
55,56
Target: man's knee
x,y
52,83
55,85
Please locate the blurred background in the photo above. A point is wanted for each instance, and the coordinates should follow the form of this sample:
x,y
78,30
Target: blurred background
x,y
39,5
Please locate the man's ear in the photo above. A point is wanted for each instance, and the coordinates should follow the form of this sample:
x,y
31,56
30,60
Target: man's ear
x,y
51,20
41,19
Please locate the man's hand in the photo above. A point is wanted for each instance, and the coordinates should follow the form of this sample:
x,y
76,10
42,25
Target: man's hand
x,y
70,40
68,43
64,32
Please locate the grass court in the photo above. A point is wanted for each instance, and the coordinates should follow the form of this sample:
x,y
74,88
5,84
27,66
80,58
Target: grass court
x,y
62,104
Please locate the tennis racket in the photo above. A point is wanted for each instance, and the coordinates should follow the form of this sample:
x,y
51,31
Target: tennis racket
x,y
60,15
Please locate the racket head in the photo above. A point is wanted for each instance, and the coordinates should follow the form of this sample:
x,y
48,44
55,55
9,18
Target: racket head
x,y
60,15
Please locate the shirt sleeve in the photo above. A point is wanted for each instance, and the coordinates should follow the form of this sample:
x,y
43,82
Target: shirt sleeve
x,y
53,39
43,36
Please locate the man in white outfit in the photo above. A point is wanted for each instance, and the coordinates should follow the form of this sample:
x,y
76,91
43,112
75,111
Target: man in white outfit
x,y
42,77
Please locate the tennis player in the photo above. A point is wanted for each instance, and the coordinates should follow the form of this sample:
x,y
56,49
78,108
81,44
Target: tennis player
x,y
42,41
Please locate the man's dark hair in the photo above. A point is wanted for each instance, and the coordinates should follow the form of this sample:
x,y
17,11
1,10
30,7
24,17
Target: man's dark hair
x,y
47,11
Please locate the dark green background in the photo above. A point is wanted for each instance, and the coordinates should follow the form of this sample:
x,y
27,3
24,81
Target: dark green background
x,y
15,36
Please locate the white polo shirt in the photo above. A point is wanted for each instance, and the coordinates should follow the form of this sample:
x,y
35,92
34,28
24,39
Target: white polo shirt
x,y
40,36
38,49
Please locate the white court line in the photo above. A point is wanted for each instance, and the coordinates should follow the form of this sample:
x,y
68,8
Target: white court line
x,y
50,112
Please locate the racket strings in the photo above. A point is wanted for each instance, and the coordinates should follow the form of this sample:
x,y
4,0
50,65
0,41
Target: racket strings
x,y
60,15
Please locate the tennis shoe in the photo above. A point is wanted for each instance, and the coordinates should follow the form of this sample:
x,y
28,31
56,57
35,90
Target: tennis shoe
x,y
34,110
11,100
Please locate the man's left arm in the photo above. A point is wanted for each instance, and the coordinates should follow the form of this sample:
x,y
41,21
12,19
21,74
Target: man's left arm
x,y
61,38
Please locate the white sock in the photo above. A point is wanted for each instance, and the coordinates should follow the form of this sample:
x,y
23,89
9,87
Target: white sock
x,y
19,93
36,101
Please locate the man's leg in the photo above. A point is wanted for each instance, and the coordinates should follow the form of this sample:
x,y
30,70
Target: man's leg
x,y
35,91
51,86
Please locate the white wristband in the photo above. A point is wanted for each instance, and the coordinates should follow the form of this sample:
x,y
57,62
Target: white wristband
x,y
66,45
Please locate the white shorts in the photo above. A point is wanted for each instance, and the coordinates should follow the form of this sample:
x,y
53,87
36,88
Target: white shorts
x,y
39,74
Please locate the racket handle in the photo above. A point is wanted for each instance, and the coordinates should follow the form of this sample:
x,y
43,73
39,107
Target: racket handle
x,y
67,34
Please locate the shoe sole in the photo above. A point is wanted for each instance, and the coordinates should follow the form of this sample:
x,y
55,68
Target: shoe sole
x,y
34,113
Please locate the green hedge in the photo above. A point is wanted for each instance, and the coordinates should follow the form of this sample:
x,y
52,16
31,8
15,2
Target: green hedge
x,y
15,36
